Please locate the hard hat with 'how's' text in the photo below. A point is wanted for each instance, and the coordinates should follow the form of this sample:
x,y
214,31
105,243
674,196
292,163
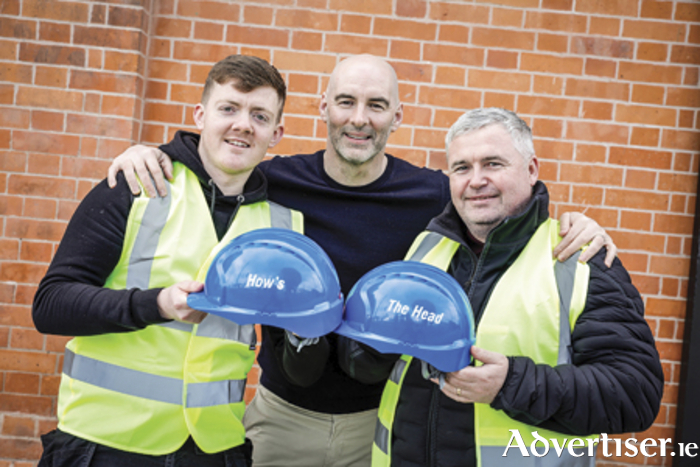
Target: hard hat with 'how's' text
x,y
276,277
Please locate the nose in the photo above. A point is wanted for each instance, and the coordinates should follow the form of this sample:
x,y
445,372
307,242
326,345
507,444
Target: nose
x,y
359,117
242,123
478,177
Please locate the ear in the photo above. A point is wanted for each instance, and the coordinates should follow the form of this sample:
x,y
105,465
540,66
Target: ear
x,y
276,136
323,107
533,169
198,115
398,117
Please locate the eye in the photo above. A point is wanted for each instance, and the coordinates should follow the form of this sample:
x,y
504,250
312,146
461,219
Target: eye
x,y
227,109
345,103
377,106
261,117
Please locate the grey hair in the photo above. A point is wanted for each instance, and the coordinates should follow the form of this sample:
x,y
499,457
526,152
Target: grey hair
x,y
476,119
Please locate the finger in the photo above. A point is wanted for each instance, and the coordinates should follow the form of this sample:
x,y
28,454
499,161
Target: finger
x,y
166,164
593,248
112,176
145,176
130,176
191,286
485,356
566,247
564,223
577,239
155,173
561,247
611,252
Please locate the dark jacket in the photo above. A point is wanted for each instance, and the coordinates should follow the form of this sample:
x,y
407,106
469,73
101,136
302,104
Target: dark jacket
x,y
614,384
71,299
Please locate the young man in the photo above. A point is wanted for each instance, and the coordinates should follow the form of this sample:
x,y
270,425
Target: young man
x,y
364,207
150,381
542,369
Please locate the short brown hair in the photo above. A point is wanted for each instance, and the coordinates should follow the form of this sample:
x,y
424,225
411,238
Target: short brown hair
x,y
248,73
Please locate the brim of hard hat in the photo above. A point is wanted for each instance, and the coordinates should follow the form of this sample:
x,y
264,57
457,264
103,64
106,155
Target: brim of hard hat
x,y
316,322
446,358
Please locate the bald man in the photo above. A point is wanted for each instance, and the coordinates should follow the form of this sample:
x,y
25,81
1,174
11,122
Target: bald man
x,y
364,207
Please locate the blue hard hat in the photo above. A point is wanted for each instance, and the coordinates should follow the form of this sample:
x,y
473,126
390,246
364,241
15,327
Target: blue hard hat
x,y
276,277
411,308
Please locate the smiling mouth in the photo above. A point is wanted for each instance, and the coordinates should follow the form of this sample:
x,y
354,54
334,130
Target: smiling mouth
x,y
476,199
237,143
358,138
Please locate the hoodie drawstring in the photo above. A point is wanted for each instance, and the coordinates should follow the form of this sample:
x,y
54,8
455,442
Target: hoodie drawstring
x,y
213,196
212,203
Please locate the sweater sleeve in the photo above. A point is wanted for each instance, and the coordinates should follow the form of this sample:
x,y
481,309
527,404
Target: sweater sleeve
x,y
363,363
615,381
71,299
300,367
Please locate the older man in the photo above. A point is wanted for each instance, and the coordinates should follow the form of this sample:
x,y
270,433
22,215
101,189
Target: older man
x,y
364,207
588,366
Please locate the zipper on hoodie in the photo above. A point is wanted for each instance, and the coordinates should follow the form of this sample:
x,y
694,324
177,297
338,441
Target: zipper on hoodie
x,y
431,441
434,406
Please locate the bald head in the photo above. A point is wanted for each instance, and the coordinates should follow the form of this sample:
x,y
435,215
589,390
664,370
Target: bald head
x,y
366,65
361,109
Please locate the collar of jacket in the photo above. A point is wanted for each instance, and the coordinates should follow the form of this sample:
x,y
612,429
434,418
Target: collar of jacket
x,y
503,245
183,149
511,231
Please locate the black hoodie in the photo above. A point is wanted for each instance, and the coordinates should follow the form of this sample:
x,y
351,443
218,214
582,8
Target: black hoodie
x,y
71,300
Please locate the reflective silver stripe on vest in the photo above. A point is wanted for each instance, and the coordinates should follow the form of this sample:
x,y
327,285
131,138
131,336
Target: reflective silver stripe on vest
x,y
124,380
221,328
565,274
148,386
428,243
381,433
215,393
146,242
492,456
280,216
397,371
381,437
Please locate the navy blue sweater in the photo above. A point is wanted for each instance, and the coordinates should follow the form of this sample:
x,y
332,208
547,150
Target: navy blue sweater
x,y
360,228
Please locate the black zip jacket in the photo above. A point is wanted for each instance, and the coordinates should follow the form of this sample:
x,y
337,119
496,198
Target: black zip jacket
x,y
71,300
614,385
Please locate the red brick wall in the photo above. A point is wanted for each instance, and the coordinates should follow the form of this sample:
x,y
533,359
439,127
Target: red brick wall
x,y
610,88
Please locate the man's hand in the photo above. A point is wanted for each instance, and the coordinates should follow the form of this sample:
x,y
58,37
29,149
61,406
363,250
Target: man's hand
x,y
578,230
172,302
145,162
477,383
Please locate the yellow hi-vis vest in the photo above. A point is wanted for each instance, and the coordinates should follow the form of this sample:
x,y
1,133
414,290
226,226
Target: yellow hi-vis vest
x,y
148,390
522,318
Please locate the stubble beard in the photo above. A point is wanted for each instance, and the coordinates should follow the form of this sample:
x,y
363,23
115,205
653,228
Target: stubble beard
x,y
377,147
